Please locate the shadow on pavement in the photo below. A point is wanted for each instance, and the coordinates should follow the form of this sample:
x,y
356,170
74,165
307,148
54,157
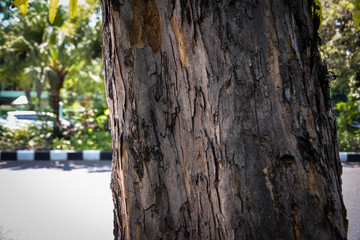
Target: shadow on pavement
x,y
351,164
98,166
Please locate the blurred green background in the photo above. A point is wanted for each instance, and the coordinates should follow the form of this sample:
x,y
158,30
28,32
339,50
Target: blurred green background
x,y
52,70
340,50
57,68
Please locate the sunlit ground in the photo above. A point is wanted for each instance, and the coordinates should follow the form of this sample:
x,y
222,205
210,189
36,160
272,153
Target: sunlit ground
x,y
51,201
351,193
72,201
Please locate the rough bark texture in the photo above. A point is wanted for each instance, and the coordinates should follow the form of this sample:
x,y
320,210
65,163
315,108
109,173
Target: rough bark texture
x,y
221,121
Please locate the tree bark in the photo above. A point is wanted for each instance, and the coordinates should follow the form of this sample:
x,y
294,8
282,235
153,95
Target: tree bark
x,y
28,97
221,121
39,86
56,98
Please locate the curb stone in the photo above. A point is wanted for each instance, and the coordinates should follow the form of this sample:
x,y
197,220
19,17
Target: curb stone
x,y
55,155
97,155
350,156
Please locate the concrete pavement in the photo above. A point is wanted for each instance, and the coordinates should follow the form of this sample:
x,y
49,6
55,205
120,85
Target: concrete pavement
x,y
55,200
351,194
65,200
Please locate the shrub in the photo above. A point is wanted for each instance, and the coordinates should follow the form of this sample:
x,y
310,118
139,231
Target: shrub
x,y
348,141
34,137
85,140
89,131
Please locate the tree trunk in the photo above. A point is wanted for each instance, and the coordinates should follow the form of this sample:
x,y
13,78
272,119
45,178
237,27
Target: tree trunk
x,y
221,121
28,97
39,86
55,98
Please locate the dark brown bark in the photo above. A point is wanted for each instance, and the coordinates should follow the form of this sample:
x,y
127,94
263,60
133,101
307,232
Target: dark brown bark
x,y
221,121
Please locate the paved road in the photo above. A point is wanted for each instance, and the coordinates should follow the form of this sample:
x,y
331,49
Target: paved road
x,y
72,200
351,193
55,200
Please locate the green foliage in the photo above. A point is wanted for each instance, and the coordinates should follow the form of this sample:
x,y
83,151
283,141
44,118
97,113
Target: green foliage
x,y
33,53
23,45
349,141
85,140
23,8
348,134
5,10
72,8
356,13
341,49
341,37
317,10
349,113
18,3
88,131
34,137
53,8
13,140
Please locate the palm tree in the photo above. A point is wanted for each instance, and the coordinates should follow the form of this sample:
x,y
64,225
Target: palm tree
x,y
22,50
42,53
61,60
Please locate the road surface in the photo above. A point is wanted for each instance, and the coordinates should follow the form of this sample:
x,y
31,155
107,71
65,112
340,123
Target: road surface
x,y
55,200
351,193
72,200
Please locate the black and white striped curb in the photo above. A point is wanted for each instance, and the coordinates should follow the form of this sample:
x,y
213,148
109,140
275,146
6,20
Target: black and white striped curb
x,y
97,155
54,155
350,156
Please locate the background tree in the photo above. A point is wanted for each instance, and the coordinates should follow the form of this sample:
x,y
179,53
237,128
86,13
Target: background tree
x,y
61,59
38,60
22,51
89,62
37,75
221,121
340,49
34,50
74,44
24,48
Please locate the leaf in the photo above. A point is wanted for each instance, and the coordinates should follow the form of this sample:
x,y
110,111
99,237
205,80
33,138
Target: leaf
x,y
318,10
356,18
72,8
54,4
23,8
18,3
356,13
